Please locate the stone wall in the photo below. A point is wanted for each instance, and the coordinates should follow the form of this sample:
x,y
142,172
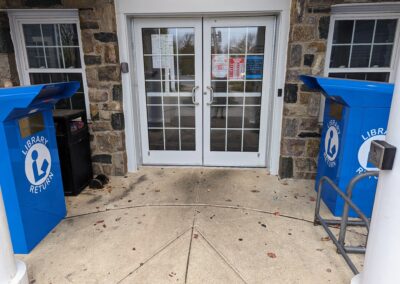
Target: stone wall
x,y
309,26
100,48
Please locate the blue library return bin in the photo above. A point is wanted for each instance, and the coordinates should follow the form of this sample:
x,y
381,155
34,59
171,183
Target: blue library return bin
x,y
356,113
30,169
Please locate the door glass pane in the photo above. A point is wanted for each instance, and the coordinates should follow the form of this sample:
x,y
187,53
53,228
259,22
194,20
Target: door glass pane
x,y
237,72
169,72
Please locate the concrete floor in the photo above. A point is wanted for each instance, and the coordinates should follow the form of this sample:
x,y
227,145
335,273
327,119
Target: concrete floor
x,y
193,225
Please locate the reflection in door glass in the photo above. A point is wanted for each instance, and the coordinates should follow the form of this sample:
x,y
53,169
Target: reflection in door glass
x,y
237,71
169,72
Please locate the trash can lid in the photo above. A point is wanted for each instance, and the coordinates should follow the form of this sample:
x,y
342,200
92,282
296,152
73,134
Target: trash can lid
x,y
18,100
352,92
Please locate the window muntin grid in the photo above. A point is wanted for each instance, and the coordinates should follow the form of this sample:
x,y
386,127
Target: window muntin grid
x,y
237,59
52,45
169,72
362,44
54,49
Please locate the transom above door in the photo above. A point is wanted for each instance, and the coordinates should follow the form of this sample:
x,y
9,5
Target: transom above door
x,y
203,89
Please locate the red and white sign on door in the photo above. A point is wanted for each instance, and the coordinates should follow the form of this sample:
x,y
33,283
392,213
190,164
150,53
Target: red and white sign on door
x,y
236,68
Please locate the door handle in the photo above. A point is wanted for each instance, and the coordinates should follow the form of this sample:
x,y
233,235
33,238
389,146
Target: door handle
x,y
211,95
194,95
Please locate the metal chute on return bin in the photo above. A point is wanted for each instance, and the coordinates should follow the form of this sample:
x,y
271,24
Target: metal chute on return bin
x,y
356,113
30,170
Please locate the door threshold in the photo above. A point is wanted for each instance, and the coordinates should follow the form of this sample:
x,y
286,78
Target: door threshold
x,y
203,167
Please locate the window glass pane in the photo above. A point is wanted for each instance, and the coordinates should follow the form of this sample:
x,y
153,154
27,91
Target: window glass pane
x,y
360,56
154,116
370,76
147,35
32,34
364,31
186,41
385,31
217,140
237,40
252,116
50,35
156,139
54,57
152,67
235,116
379,77
36,57
218,116
381,56
188,116
186,67
69,35
72,57
171,139
234,140
250,140
255,39
188,139
340,56
171,116
78,101
219,40
343,31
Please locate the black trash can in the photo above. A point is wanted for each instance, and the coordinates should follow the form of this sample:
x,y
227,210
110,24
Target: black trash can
x,y
74,149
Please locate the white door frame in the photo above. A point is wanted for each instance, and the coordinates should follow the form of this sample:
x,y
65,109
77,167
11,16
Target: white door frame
x,y
163,157
126,9
229,158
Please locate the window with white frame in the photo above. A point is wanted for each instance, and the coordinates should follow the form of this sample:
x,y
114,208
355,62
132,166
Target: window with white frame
x,y
363,46
48,51
362,43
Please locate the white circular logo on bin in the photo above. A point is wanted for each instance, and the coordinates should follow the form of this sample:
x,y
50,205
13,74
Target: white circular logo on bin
x,y
37,164
363,151
331,143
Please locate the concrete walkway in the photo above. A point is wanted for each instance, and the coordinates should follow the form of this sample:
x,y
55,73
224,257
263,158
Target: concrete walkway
x,y
202,225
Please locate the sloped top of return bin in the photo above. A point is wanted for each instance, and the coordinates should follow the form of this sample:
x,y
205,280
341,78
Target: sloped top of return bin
x,y
354,93
20,101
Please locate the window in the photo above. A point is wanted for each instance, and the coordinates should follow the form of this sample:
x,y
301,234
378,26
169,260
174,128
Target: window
x,y
362,49
48,50
362,42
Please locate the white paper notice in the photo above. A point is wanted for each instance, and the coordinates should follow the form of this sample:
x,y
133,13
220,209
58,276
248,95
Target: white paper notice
x,y
219,66
162,45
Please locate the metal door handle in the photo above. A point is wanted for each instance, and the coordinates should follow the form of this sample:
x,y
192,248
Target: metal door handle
x,y
211,95
194,95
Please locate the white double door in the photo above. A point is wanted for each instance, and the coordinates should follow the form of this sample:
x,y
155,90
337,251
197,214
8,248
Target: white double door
x,y
204,89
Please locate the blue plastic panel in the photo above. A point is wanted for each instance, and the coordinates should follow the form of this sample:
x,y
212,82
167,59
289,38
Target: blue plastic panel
x,y
356,112
31,177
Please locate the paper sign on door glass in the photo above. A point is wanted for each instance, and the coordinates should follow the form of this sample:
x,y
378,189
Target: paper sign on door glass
x,y
162,45
219,69
236,67
254,67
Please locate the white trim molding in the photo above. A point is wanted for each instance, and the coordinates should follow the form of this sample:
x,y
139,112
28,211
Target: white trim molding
x,y
126,10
